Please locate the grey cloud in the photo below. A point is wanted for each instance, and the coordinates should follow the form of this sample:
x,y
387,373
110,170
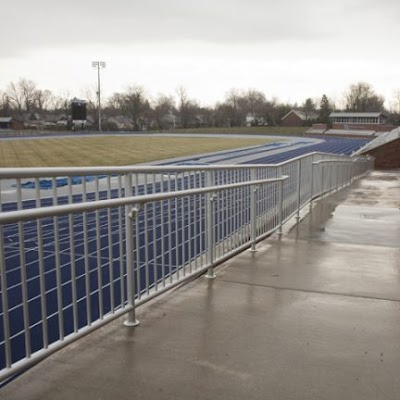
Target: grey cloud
x,y
46,23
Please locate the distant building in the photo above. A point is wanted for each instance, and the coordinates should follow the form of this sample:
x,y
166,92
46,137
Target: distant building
x,y
375,121
298,118
9,123
254,120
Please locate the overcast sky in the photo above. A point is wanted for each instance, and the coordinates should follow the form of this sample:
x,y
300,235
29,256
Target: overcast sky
x,y
286,48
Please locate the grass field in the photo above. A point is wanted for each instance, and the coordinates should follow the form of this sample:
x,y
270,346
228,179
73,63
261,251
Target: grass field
x,y
261,130
109,150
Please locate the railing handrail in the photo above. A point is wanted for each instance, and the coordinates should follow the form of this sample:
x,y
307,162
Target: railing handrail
x,y
357,159
40,172
58,210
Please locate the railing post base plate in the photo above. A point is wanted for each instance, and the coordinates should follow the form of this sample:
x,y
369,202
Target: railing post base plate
x,y
210,275
131,324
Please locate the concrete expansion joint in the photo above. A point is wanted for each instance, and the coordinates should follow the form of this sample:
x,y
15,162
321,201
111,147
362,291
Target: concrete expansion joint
x,y
321,292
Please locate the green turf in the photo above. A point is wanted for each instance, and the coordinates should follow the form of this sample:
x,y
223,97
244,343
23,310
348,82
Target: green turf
x,y
110,150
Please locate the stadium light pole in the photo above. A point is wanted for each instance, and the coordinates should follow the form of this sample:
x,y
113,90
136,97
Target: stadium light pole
x,y
98,65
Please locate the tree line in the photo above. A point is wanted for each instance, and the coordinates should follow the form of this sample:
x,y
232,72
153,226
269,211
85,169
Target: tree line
x,y
238,108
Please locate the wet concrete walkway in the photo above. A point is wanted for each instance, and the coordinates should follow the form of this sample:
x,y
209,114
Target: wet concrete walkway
x,y
315,315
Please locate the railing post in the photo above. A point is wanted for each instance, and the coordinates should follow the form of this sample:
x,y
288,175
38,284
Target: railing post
x,y
130,218
343,175
322,178
280,203
253,217
312,184
210,228
351,172
211,235
337,176
298,189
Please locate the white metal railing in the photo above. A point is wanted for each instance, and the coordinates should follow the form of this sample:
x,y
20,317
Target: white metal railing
x,y
94,250
380,141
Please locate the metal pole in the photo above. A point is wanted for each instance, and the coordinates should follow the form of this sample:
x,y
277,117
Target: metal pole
x,y
210,222
280,202
98,93
130,218
98,65
253,218
322,179
337,177
253,210
312,183
211,236
298,190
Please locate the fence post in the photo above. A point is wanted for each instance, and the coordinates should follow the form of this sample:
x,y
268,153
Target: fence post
x,y
130,218
298,189
341,175
253,217
312,183
322,178
210,228
280,212
211,235
352,172
337,176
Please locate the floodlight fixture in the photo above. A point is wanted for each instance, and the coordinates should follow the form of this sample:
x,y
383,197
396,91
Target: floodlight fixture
x,y
99,65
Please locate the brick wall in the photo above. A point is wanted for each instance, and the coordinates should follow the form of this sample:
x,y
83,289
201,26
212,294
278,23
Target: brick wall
x,y
292,120
387,156
364,127
320,126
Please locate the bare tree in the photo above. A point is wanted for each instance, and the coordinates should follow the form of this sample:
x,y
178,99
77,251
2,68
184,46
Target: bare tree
x,y
183,106
254,105
5,105
136,106
395,108
163,111
272,111
43,99
188,109
308,108
325,109
233,106
62,102
255,101
396,101
114,102
15,96
362,98
25,96
28,90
